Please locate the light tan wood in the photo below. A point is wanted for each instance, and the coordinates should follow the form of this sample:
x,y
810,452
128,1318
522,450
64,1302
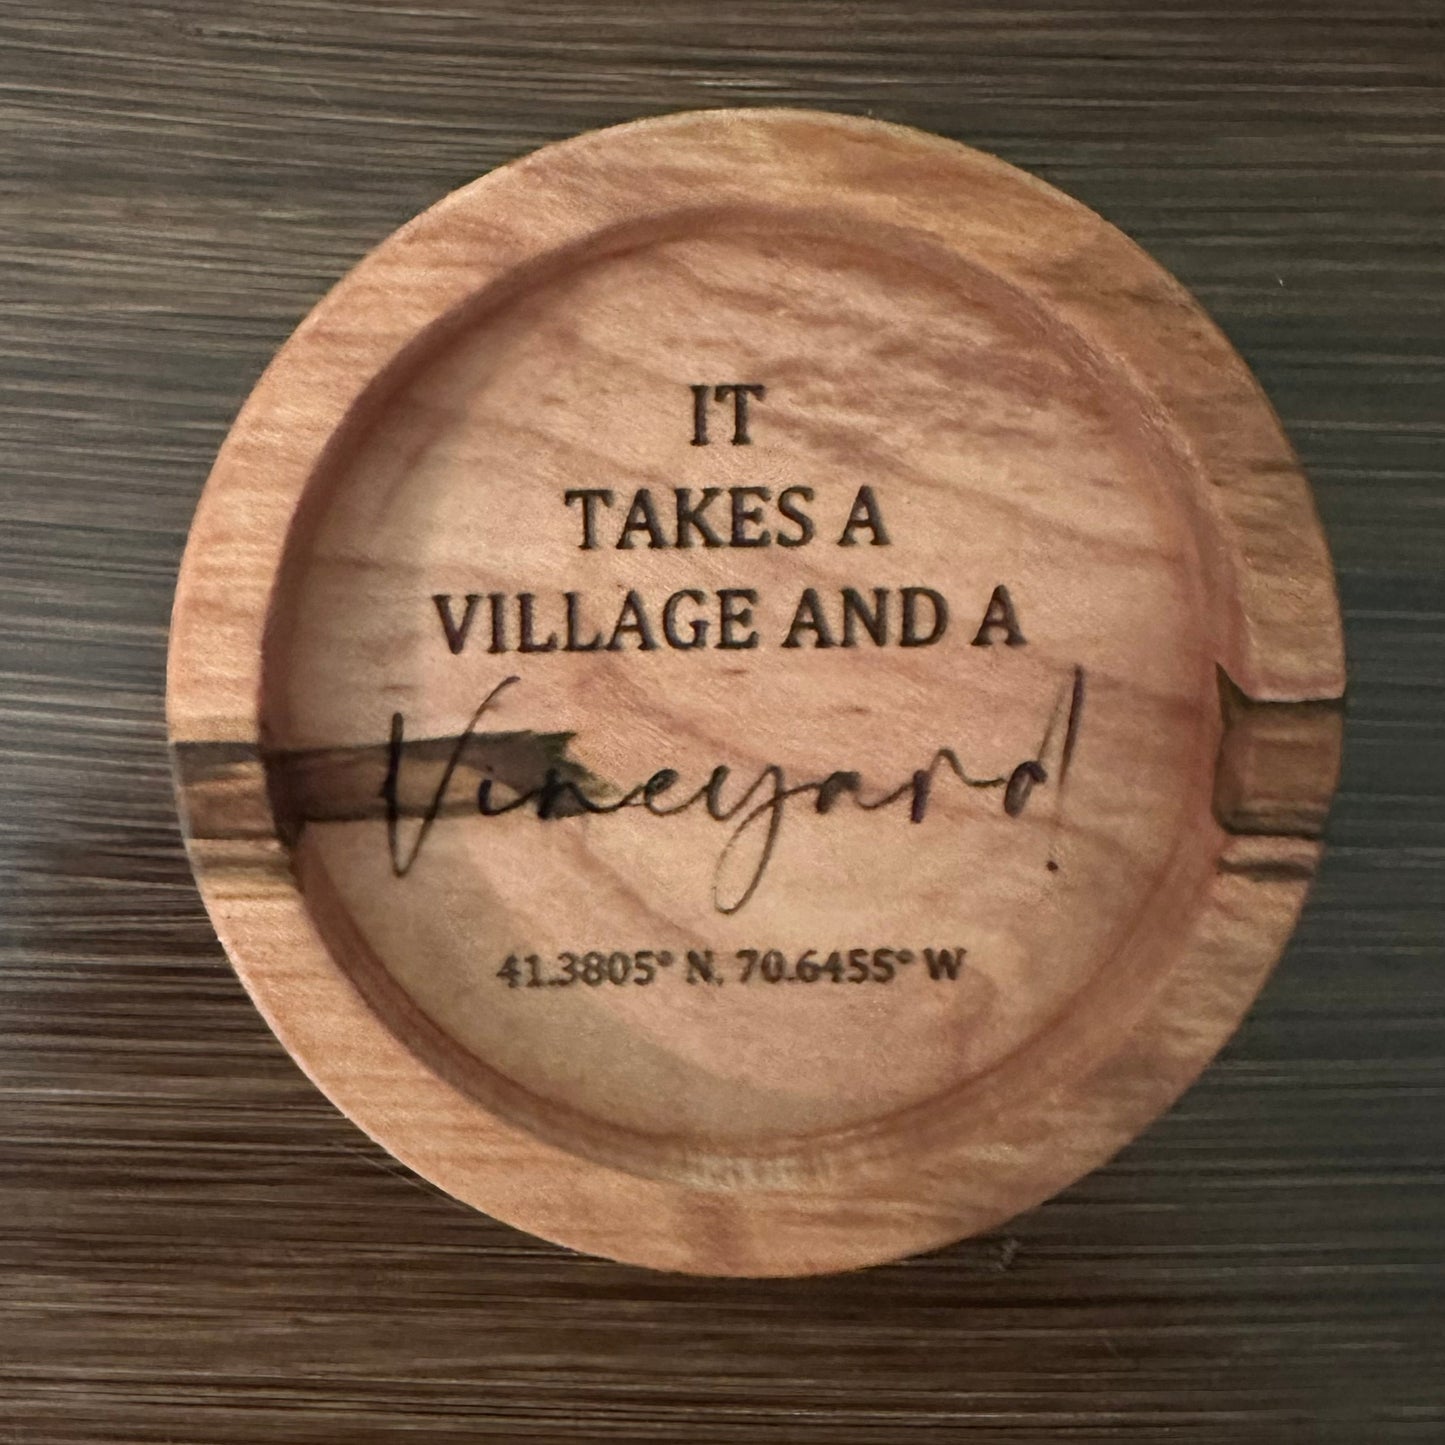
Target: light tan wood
x,y
1029,866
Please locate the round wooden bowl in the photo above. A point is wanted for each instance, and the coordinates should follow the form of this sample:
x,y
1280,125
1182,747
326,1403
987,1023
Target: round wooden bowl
x,y
755,692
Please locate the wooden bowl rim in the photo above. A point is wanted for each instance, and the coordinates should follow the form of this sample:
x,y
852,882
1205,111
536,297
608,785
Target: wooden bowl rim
x,y
1284,662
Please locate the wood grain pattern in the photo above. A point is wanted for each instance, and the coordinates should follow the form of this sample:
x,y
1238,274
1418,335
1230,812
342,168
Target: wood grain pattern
x,y
195,1246
959,376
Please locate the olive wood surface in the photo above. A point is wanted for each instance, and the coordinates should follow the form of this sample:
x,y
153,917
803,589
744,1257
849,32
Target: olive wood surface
x,y
971,380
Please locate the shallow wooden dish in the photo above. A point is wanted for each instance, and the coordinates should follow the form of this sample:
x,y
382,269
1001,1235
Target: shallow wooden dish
x,y
755,692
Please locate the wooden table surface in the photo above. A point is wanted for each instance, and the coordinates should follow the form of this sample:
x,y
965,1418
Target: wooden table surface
x,y
194,1246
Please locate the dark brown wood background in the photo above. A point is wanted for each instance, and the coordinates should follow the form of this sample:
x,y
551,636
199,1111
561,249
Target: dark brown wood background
x,y
194,1247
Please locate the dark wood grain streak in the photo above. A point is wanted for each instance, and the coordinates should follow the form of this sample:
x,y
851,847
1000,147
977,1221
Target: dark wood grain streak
x,y
193,1245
